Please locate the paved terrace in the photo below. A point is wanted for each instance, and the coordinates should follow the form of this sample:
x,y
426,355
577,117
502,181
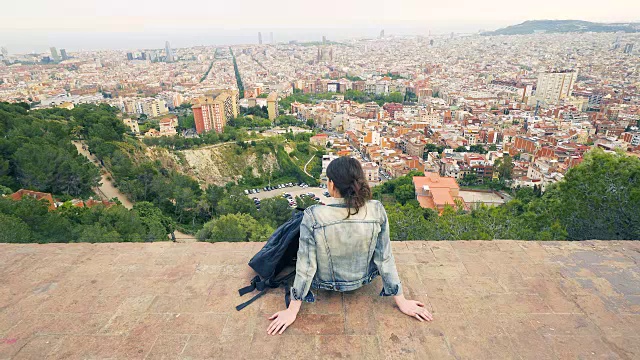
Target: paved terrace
x,y
491,300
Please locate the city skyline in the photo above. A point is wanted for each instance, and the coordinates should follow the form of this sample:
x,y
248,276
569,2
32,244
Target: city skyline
x,y
88,25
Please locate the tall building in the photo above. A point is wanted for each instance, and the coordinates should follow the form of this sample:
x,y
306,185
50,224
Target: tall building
x,y
129,56
628,49
271,38
213,111
54,53
169,53
272,105
4,51
64,55
382,34
554,86
260,38
324,40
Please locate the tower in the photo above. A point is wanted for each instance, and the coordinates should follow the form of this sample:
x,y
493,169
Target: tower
x,y
63,54
382,34
628,49
260,38
54,53
4,51
324,40
167,49
271,37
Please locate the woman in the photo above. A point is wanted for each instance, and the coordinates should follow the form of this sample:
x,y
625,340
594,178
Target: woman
x,y
344,246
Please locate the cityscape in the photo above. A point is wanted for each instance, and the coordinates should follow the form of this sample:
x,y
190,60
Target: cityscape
x,y
145,160
452,105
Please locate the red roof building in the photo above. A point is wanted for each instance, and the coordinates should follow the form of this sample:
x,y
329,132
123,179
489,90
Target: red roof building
x,y
18,195
435,192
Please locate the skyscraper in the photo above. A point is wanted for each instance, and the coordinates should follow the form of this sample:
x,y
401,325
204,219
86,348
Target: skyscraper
x,y
382,34
271,38
4,51
324,40
169,53
63,53
129,56
628,49
54,53
260,38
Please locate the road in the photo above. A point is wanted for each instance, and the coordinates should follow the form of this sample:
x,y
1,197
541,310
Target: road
x,y
107,191
305,165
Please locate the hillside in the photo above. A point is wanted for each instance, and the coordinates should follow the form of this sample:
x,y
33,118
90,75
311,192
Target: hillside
x,y
216,164
563,26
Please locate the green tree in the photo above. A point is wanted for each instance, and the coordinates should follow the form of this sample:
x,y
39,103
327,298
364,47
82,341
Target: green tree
x,y
234,227
274,212
599,198
14,230
404,193
504,167
156,224
477,148
303,147
235,202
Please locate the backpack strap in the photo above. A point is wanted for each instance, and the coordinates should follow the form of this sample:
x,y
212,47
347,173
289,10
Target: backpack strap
x,y
248,302
254,283
263,286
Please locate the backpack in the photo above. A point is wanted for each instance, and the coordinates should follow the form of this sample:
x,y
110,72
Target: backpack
x,y
279,252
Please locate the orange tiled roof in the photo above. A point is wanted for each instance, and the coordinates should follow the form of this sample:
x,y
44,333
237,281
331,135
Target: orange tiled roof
x,y
18,195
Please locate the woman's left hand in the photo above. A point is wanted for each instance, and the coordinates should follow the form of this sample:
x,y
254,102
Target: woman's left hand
x,y
281,321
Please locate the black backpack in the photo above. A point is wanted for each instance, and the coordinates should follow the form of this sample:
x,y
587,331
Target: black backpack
x,y
278,253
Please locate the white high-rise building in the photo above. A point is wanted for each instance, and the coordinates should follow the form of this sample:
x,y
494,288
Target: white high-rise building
x,y
554,86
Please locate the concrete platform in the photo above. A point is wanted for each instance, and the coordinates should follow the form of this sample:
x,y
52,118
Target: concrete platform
x,y
490,300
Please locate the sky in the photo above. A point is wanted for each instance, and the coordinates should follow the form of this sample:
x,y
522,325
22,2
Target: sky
x,y
35,25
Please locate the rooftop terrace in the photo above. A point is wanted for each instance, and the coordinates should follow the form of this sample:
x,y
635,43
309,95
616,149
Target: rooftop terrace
x,y
490,299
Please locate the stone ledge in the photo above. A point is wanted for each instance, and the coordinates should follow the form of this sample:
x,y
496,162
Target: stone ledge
x,y
490,299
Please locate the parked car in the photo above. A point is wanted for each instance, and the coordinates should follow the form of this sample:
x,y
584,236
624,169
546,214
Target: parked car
x,y
246,192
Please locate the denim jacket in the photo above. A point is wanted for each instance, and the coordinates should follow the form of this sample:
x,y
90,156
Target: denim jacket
x,y
343,254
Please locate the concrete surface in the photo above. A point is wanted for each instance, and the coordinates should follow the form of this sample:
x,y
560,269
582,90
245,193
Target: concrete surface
x,y
490,300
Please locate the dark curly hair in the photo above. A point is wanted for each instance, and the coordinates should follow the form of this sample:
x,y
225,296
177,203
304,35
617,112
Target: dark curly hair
x,y
348,177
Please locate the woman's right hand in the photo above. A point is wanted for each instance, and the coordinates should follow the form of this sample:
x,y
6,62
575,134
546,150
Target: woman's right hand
x,y
413,308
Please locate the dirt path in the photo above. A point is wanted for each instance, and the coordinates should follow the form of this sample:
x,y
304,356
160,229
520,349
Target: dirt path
x,y
107,191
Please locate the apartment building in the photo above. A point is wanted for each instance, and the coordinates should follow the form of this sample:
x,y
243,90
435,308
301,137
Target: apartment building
x,y
554,86
213,111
